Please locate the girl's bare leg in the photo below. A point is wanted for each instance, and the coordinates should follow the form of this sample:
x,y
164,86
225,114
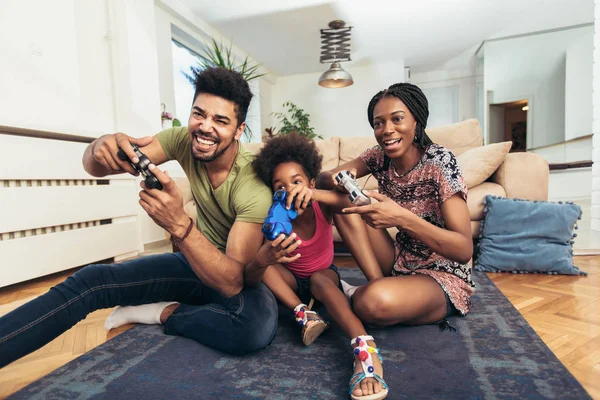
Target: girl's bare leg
x,y
324,287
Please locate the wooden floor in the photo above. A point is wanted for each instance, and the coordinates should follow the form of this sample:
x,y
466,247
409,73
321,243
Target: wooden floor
x,y
563,310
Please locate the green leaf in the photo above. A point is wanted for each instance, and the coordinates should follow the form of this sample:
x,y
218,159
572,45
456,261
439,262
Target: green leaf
x,y
176,122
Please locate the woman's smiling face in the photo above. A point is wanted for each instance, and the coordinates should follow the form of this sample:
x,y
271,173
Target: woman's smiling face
x,y
394,126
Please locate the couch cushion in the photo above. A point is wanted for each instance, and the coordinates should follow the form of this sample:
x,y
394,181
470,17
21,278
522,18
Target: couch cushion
x,y
524,176
480,163
329,148
458,137
253,147
351,148
525,236
475,228
477,195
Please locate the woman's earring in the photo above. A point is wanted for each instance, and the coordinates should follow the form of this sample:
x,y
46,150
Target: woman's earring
x,y
415,138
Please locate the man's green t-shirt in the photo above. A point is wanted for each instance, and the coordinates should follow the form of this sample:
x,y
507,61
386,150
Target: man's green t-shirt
x,y
241,197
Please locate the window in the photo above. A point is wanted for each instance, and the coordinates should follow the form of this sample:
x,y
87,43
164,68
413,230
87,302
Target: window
x,y
183,60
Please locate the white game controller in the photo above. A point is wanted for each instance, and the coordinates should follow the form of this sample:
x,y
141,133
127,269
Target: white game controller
x,y
343,178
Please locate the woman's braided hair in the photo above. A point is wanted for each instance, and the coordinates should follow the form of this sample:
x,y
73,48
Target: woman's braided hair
x,y
415,101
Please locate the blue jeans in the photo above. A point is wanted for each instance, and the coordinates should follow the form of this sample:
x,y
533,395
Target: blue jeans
x,y
240,324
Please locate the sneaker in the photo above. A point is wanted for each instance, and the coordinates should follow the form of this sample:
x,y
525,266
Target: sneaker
x,y
348,289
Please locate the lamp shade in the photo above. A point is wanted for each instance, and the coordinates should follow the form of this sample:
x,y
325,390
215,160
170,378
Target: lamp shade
x,y
335,77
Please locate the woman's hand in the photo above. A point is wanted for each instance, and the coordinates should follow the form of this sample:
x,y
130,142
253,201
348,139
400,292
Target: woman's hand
x,y
337,186
385,214
301,196
278,251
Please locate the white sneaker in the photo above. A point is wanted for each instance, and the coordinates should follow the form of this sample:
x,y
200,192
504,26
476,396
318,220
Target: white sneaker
x,y
348,289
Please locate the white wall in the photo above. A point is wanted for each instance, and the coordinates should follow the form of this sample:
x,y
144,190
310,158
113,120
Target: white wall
x,y
460,81
578,88
595,224
579,149
534,67
337,112
55,73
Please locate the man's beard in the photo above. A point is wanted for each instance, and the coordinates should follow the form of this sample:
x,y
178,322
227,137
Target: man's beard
x,y
206,157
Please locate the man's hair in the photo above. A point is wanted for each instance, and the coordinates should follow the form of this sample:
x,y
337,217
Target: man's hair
x,y
415,101
287,148
224,83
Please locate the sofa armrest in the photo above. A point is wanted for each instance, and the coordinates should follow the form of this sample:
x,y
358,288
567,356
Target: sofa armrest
x,y
523,176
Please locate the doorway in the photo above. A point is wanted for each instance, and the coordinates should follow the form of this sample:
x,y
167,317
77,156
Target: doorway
x,y
508,122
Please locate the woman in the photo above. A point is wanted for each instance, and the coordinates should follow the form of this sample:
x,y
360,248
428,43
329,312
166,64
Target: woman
x,y
424,275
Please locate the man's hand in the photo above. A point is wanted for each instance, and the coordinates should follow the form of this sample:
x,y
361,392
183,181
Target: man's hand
x,y
278,251
104,151
165,206
301,196
385,214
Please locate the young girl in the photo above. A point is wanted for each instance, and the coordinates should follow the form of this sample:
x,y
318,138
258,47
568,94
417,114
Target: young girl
x,y
300,267
424,275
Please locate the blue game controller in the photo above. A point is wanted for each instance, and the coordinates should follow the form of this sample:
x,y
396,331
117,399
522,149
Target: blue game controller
x,y
279,220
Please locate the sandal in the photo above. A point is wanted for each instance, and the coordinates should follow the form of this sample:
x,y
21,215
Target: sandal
x,y
364,353
310,332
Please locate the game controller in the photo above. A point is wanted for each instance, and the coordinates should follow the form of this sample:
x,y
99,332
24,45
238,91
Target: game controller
x,y
343,178
141,167
279,220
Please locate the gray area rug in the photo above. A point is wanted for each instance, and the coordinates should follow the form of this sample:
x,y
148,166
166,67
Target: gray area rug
x,y
493,354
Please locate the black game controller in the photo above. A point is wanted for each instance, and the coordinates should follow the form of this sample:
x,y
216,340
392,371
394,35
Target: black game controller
x,y
343,178
141,167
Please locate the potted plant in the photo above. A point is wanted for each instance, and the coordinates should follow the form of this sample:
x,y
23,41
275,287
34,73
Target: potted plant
x,y
167,119
296,120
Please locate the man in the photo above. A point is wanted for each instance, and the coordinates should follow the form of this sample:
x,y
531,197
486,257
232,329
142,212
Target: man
x,y
198,293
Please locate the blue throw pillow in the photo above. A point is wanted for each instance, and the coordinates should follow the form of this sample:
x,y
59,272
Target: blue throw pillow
x,y
522,236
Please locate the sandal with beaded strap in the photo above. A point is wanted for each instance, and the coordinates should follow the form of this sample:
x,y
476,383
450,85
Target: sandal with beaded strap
x,y
364,353
312,330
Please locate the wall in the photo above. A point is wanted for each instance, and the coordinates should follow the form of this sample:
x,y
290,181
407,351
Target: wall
x,y
462,80
596,140
579,149
59,75
578,88
535,67
337,112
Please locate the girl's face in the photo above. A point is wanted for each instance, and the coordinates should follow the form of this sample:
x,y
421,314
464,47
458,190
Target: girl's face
x,y
394,126
290,174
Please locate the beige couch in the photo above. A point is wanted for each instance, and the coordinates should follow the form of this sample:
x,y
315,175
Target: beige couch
x,y
521,175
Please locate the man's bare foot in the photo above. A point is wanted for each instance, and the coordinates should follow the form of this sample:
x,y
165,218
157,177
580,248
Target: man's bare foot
x,y
368,386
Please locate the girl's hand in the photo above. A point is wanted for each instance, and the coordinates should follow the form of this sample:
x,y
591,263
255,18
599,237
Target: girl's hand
x,y
278,251
385,214
301,196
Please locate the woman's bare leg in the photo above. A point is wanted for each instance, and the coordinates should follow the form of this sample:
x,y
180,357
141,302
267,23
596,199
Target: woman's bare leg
x,y
411,299
373,249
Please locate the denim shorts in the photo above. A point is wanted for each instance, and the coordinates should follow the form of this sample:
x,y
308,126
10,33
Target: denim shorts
x,y
450,309
303,286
